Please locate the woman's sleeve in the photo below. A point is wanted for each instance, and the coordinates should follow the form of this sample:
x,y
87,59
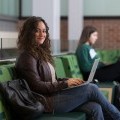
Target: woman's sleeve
x,y
84,58
27,68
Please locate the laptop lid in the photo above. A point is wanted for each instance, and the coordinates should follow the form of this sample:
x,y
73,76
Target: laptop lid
x,y
93,70
91,75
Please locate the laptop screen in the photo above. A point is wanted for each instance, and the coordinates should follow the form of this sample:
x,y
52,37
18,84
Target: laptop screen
x,y
93,70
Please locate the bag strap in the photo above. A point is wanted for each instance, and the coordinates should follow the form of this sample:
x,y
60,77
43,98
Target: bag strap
x,y
24,84
21,95
32,92
39,95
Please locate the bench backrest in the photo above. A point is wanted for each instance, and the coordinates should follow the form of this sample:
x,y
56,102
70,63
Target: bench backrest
x,y
71,66
7,72
59,67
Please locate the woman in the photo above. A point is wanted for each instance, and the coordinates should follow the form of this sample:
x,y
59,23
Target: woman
x,y
86,55
35,65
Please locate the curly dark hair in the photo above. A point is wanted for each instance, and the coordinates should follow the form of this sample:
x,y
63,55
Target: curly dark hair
x,y
26,40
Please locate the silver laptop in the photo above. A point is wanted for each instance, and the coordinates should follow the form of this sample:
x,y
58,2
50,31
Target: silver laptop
x,y
91,75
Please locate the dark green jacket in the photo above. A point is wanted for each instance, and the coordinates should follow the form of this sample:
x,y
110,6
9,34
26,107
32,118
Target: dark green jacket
x,y
86,56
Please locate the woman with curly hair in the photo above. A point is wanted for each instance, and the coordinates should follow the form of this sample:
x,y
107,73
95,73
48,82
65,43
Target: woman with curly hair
x,y
35,65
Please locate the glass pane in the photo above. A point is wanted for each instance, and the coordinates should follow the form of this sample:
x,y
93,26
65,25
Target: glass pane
x,y
9,7
26,11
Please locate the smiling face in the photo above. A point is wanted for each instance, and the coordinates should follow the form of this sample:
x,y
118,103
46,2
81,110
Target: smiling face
x,y
40,34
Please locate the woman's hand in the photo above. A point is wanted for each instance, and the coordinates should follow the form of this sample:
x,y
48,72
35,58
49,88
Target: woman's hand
x,y
74,82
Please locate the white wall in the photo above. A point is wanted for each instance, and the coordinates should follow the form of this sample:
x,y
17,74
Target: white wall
x,y
95,7
102,7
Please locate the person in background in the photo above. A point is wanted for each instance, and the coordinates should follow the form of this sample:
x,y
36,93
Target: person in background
x,y
35,64
86,55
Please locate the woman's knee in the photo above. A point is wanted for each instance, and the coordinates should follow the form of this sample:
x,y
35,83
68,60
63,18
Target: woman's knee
x,y
91,107
96,111
92,86
96,107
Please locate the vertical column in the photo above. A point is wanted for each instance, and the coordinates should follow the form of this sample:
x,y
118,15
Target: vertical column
x,y
75,22
50,11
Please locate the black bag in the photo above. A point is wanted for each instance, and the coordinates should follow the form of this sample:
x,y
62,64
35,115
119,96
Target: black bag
x,y
19,100
116,101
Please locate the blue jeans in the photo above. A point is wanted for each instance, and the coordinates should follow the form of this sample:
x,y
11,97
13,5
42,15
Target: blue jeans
x,y
85,98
